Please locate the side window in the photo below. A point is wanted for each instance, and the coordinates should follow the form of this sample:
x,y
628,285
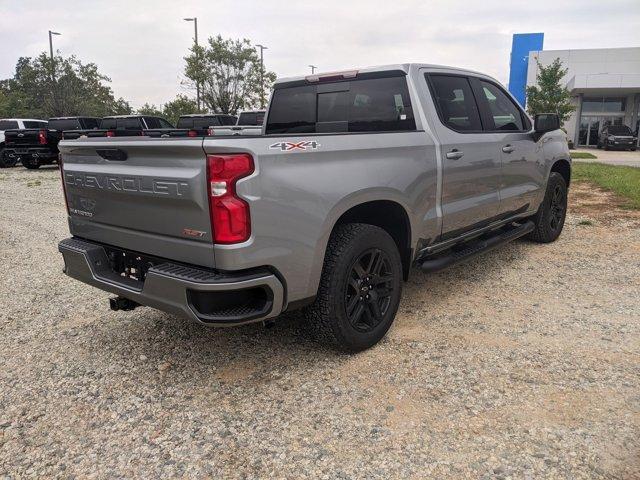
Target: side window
x,y
455,102
380,105
8,124
163,123
504,113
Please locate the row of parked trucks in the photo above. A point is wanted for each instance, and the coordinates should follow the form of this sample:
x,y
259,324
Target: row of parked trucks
x,y
35,142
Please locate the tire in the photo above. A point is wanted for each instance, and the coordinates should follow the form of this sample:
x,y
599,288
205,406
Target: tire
x,y
30,163
550,217
356,302
598,145
606,145
633,149
6,161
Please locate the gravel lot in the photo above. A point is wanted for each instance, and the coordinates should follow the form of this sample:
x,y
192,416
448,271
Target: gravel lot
x,y
523,363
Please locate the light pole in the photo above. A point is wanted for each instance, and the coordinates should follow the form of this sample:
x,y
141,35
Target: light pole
x,y
313,69
195,38
262,49
53,70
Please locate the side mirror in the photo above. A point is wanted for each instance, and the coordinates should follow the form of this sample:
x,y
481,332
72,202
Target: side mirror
x,y
546,122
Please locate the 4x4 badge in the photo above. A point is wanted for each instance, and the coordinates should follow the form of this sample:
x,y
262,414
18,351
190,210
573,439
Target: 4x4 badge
x,y
291,146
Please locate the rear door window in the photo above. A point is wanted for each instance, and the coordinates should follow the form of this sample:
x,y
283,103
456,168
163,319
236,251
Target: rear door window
x,y
365,105
8,124
205,122
64,124
130,124
249,118
230,120
455,102
90,123
108,123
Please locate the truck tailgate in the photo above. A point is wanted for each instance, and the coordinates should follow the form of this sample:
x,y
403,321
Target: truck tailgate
x,y
143,194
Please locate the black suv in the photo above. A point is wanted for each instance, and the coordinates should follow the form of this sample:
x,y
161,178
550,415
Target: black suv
x,y
617,137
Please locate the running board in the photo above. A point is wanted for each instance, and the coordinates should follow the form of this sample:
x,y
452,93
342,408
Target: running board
x,y
476,247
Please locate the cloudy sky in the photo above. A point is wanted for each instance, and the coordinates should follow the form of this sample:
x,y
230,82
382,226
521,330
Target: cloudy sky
x,y
141,44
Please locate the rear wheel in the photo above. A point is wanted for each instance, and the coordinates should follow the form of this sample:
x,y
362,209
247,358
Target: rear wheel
x,y
360,288
6,161
30,162
550,217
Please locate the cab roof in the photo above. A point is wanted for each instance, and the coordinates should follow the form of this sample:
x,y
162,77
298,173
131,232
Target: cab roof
x,y
354,72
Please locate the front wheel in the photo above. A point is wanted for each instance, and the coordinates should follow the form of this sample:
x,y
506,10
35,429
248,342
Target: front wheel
x,y
359,290
551,214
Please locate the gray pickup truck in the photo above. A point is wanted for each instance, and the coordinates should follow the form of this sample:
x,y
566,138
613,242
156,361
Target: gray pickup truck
x,y
356,177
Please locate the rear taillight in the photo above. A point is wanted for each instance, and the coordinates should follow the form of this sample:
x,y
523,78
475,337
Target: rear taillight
x,y
192,133
42,137
211,131
111,133
230,220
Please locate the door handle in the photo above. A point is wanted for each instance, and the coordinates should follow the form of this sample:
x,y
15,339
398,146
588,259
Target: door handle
x,y
508,148
454,154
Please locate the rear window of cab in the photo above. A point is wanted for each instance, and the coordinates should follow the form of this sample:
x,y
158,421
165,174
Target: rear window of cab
x,y
358,105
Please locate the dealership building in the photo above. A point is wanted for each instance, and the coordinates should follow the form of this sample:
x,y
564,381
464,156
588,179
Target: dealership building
x,y
604,84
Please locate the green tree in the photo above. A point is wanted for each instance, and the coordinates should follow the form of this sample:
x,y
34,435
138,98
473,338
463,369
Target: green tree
x,y
549,95
228,72
41,88
181,105
149,109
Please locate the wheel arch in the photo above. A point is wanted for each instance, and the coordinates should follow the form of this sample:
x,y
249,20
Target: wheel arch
x,y
563,167
389,215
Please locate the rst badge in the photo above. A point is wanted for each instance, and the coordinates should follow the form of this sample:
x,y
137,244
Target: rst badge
x,y
295,146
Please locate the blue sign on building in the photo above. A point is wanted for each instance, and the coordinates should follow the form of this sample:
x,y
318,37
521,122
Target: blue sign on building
x,y
522,44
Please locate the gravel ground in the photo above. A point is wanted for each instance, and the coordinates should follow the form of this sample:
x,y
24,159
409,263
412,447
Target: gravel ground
x,y
523,363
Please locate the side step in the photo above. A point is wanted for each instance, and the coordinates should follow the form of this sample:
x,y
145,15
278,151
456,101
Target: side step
x,y
476,247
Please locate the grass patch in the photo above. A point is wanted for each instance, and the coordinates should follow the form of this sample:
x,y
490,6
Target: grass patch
x,y
34,183
621,180
582,155
586,223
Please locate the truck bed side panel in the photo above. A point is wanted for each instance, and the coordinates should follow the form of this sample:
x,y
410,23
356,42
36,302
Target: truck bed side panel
x,y
297,196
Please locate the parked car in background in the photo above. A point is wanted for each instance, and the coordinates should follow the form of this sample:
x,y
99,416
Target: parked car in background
x,y
618,137
249,123
39,146
12,124
121,126
194,125
358,176
251,117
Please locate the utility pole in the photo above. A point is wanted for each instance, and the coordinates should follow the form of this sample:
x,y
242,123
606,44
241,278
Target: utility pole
x,y
53,72
262,49
313,69
195,38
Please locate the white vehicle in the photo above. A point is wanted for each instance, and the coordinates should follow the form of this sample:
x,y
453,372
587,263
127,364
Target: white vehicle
x,y
249,123
11,124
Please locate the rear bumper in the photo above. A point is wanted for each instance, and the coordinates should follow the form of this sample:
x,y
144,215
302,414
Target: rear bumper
x,y
207,296
35,152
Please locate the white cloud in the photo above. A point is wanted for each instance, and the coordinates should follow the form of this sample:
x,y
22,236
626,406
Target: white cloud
x,y
141,44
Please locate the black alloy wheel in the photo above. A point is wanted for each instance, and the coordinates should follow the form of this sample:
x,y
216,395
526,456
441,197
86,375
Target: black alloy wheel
x,y
369,289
